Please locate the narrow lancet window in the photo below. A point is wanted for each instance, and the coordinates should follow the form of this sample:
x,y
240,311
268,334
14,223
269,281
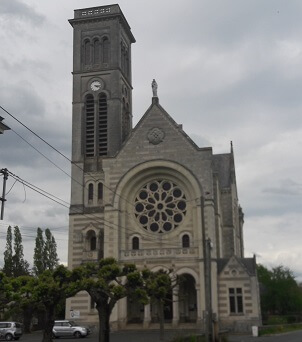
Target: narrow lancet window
x,y
106,45
96,51
100,191
186,241
90,193
87,52
89,139
103,125
135,243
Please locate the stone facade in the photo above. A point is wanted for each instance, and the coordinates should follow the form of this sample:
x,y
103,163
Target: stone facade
x,y
150,195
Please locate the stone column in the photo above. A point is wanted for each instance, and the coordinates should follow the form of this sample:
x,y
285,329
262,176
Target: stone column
x,y
147,315
175,320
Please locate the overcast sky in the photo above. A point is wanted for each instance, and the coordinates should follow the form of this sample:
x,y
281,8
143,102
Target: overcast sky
x,y
226,70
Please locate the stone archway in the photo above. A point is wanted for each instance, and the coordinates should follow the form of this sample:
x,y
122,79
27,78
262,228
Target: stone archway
x,y
187,299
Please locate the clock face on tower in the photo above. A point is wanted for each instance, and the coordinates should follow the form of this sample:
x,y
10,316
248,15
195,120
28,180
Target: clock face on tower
x,y
96,85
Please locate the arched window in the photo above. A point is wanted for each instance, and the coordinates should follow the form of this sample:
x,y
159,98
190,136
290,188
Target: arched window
x,y
87,52
106,46
96,51
103,122
89,139
93,243
186,241
91,240
90,192
135,243
100,191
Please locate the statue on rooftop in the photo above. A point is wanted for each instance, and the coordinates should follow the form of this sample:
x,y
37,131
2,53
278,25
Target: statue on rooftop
x,y
154,88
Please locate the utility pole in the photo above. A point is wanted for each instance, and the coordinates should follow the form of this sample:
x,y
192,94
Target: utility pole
x,y
2,199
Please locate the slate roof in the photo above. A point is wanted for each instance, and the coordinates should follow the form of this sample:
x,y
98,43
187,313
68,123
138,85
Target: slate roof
x,y
222,165
248,263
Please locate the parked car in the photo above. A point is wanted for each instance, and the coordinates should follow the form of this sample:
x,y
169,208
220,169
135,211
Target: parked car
x,y
69,328
10,330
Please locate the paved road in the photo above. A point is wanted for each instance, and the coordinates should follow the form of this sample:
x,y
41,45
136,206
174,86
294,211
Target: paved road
x,y
153,336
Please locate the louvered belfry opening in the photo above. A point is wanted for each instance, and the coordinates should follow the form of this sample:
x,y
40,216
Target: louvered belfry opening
x,y
90,123
103,125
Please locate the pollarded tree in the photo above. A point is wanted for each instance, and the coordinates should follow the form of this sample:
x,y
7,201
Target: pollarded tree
x,y
107,282
39,266
20,265
159,286
5,291
23,302
49,289
8,253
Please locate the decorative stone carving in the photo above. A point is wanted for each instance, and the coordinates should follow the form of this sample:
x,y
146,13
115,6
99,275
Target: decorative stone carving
x,y
154,88
156,136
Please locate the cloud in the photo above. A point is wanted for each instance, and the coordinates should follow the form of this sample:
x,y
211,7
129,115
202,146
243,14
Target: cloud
x,y
15,9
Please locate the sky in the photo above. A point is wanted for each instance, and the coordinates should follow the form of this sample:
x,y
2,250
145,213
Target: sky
x,y
226,70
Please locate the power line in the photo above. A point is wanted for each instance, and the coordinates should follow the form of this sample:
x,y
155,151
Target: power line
x,y
93,217
56,150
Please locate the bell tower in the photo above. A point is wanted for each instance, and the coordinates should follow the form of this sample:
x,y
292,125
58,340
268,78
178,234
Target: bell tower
x,y
102,89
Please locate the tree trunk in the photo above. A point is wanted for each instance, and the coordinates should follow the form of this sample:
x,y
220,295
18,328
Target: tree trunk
x,y
161,320
104,326
49,322
27,317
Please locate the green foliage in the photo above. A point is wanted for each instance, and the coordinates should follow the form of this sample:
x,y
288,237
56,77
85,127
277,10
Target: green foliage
x,y
280,293
278,329
38,253
45,254
5,290
8,253
14,262
20,265
50,251
107,282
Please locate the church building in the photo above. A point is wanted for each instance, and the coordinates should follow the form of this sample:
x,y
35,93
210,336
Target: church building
x,y
149,195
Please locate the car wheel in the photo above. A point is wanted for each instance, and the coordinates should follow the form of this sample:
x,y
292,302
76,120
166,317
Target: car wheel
x,y
8,337
77,334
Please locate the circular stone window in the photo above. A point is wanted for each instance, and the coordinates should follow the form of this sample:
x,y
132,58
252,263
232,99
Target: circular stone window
x,y
160,206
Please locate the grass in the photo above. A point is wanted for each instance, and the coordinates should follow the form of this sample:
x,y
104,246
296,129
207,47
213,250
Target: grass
x,y
194,338
279,329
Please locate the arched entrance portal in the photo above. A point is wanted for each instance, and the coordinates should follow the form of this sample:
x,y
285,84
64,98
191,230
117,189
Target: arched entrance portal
x,y
135,311
168,310
187,299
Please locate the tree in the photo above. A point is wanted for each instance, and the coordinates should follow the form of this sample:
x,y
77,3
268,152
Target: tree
x,y
8,253
50,251
20,265
38,253
107,282
45,254
159,286
280,293
49,289
24,302
5,291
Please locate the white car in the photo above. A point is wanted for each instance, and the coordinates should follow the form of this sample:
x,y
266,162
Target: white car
x,y
69,328
10,330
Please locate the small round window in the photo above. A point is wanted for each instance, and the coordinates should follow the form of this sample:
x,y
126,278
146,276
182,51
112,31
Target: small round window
x,y
160,206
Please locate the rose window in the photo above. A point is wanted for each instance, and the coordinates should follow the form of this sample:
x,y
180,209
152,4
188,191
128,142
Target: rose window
x,y
160,206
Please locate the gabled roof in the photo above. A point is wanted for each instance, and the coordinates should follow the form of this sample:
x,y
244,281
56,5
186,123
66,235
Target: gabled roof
x,y
249,264
155,103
